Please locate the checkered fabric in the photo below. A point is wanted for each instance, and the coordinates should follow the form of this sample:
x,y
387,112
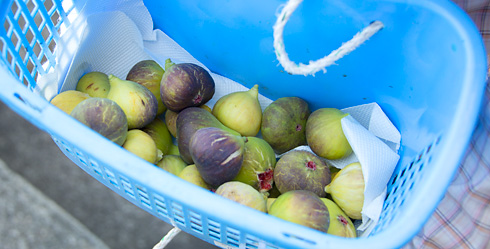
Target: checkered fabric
x,y
462,219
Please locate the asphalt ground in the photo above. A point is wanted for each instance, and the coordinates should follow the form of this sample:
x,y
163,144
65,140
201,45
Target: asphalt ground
x,y
43,193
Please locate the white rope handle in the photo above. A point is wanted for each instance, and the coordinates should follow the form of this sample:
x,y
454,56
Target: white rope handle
x,y
167,238
320,64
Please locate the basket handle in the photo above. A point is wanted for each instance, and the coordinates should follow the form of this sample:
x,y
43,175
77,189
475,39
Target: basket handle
x,y
320,64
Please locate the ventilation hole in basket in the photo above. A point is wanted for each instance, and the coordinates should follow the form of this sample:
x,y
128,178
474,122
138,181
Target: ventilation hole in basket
x,y
17,70
271,247
178,213
144,198
429,148
29,36
421,166
403,173
214,229
112,179
14,8
412,175
233,236
394,190
292,236
44,59
161,207
30,66
55,18
251,242
14,39
411,166
411,185
6,26
96,168
46,33
30,5
419,158
37,50
38,20
25,81
48,5
196,222
2,45
127,187
394,179
52,45
23,52
22,23
403,183
9,57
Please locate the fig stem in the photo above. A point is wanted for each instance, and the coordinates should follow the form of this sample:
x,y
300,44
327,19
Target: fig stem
x,y
168,64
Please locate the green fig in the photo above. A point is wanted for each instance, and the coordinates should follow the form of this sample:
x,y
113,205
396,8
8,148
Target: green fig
x,y
192,175
301,170
270,200
302,207
95,84
171,122
217,154
347,190
340,224
185,85
148,73
284,123
188,122
173,150
258,165
142,145
67,100
103,116
240,111
325,136
244,194
137,102
157,129
172,163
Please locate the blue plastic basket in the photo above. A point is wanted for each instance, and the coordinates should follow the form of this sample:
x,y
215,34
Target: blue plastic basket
x,y
426,69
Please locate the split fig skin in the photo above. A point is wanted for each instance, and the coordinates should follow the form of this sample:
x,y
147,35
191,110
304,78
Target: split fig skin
x,y
188,122
340,224
301,170
325,136
103,116
244,194
186,85
148,73
302,207
258,165
217,154
284,123
137,102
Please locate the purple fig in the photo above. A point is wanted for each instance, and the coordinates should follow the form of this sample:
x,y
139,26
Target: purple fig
x,y
284,123
301,170
188,122
185,85
103,116
148,73
217,154
302,207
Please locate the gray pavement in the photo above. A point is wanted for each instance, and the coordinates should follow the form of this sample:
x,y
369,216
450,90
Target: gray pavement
x,y
69,205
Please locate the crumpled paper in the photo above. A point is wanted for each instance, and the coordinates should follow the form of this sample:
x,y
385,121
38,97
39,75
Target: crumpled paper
x,y
112,37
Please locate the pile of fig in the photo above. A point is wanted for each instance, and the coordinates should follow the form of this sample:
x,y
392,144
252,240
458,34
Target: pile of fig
x,y
234,148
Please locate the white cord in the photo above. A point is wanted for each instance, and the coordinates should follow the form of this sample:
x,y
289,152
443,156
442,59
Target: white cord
x,y
167,238
320,64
